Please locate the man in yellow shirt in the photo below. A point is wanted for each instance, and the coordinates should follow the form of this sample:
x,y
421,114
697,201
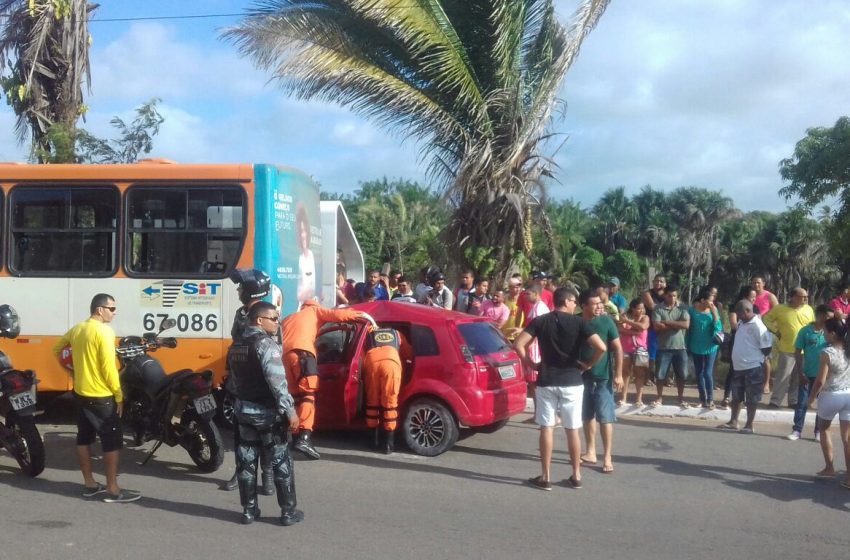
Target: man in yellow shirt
x,y
785,321
514,323
97,391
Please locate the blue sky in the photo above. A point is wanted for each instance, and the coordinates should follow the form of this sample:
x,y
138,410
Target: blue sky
x,y
711,94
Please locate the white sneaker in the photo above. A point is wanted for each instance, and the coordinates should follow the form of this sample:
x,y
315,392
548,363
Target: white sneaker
x,y
793,436
817,436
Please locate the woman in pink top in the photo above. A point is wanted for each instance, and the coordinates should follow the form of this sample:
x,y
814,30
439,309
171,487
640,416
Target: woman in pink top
x,y
633,327
765,301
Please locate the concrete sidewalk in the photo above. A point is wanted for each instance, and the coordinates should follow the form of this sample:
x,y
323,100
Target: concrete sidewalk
x,y
695,412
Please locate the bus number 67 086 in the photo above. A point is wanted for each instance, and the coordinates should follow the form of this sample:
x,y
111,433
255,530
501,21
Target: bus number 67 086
x,y
195,322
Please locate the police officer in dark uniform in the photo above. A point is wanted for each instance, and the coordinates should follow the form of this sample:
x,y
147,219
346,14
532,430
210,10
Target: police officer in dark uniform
x,y
265,413
252,285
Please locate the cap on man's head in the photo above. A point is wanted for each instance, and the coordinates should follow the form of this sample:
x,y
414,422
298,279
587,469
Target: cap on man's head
x,y
614,281
743,306
538,275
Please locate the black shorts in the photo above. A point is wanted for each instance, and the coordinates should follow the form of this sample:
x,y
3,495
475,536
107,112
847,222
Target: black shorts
x,y
97,416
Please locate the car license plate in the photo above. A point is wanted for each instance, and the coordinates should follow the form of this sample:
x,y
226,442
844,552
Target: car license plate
x,y
205,404
507,372
23,400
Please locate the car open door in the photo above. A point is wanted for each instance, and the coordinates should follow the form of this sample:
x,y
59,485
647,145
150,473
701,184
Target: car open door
x,y
338,350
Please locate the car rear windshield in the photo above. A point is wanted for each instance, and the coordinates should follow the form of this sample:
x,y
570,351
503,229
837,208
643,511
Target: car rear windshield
x,y
483,338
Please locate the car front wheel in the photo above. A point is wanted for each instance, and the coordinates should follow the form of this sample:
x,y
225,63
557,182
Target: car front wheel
x,y
429,427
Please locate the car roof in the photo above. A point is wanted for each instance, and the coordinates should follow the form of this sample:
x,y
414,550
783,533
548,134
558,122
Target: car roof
x,y
388,311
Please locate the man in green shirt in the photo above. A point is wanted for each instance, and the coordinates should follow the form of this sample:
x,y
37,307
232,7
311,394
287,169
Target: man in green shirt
x,y
809,343
670,320
598,406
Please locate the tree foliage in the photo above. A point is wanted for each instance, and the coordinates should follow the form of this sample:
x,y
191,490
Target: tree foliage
x,y
820,167
76,145
133,139
396,221
475,81
44,53
694,236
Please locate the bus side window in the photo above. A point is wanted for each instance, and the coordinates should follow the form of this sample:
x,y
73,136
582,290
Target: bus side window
x,y
63,230
185,231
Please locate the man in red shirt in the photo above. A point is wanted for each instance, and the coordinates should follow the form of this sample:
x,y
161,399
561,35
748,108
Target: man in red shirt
x,y
840,305
539,278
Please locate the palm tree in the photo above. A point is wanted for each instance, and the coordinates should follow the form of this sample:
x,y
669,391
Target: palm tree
x,y
698,214
476,81
44,48
617,221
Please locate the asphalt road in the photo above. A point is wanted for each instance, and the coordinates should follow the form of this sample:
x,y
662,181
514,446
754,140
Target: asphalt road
x,y
680,489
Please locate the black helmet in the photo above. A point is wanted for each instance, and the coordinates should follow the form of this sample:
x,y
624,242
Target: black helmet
x,y
10,324
254,283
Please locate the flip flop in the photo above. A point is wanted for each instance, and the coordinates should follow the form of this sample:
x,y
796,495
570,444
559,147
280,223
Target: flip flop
x,y
608,469
821,474
845,484
586,462
727,427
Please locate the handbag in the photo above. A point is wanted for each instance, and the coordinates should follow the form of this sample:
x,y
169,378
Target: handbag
x,y
726,348
641,354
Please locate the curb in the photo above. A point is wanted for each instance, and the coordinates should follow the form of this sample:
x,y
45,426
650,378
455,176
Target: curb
x,y
697,413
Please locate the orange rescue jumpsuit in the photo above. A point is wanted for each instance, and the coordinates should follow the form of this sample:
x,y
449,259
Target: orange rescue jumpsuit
x,y
299,338
382,367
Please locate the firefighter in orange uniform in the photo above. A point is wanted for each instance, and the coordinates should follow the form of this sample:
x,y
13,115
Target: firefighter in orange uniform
x,y
382,367
299,358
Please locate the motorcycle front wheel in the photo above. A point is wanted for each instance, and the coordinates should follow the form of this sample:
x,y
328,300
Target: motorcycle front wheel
x,y
202,441
27,445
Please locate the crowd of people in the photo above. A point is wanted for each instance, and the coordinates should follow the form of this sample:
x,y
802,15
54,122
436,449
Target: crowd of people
x,y
789,351
579,352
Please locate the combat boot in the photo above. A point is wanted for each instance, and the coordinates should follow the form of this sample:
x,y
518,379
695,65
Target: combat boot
x,y
231,484
304,444
374,438
389,442
267,488
248,499
284,481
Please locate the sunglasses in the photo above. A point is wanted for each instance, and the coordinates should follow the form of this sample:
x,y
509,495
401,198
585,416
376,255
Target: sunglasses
x,y
275,319
111,309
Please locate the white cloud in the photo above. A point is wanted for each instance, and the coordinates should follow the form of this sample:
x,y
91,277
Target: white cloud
x,y
151,60
711,94
707,94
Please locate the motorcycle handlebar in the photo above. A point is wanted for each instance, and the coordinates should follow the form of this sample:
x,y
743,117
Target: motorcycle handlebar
x,y
168,342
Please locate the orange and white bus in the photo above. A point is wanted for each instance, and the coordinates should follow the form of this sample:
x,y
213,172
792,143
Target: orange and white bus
x,y
161,238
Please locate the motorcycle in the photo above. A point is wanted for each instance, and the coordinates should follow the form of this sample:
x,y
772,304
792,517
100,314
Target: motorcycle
x,y
174,409
18,432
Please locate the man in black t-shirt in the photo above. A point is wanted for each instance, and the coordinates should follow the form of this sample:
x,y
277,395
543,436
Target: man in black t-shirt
x,y
560,389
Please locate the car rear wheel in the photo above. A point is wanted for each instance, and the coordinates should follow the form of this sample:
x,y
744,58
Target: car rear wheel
x,y
429,427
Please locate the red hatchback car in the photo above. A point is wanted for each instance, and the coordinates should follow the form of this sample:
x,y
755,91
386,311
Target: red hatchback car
x,y
464,373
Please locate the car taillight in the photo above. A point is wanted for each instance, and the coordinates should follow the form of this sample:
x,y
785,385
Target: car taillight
x,y
467,354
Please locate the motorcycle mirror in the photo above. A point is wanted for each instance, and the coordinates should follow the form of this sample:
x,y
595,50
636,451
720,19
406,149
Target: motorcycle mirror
x,y
167,323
